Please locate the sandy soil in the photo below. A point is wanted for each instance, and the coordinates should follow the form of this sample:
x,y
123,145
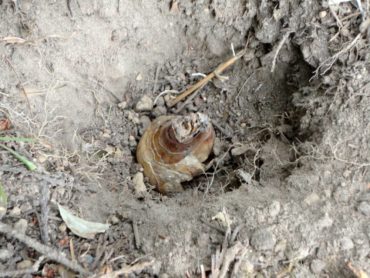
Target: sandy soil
x,y
292,119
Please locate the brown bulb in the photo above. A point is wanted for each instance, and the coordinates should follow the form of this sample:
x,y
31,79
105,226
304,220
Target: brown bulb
x,y
173,148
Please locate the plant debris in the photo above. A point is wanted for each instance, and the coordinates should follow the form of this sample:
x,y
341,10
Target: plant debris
x,y
81,227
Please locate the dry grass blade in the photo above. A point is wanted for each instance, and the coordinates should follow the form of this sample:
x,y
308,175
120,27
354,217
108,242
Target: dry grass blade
x,y
13,40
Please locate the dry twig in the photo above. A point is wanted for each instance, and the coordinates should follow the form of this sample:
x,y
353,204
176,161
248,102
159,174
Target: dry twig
x,y
47,251
328,63
280,45
21,272
218,71
44,204
136,234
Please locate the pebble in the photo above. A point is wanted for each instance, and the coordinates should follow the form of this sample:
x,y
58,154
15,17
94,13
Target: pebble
x,y
280,246
24,264
217,146
244,176
16,211
160,101
274,208
114,220
346,243
122,105
239,150
5,254
364,208
144,104
263,240
62,228
132,141
317,266
133,117
144,123
322,14
342,195
312,199
139,184
139,77
21,226
325,222
159,111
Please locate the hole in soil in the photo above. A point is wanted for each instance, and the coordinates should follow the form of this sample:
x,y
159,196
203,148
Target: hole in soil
x,y
265,129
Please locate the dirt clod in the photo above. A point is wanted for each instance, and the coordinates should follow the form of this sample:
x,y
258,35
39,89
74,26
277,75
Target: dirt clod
x,y
263,240
144,104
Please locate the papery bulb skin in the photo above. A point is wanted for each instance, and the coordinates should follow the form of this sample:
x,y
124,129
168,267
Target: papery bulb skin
x,y
173,148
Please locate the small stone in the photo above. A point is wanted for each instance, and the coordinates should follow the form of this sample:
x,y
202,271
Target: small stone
x,y
322,14
114,220
41,158
311,199
5,254
240,150
263,240
317,266
16,211
346,173
132,116
160,101
144,122
159,111
342,195
364,208
62,228
139,184
346,243
244,176
274,208
139,77
144,104
122,105
217,146
24,264
325,222
132,141
21,226
280,246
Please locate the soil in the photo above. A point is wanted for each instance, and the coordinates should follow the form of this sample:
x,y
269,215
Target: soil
x,y
290,176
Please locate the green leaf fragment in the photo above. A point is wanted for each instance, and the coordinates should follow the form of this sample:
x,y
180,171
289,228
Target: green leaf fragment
x,y
30,166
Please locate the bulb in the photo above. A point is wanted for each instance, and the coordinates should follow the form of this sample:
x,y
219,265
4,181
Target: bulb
x,y
173,148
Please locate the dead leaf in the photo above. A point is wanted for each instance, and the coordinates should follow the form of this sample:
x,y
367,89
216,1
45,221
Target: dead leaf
x,y
4,124
81,227
13,40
